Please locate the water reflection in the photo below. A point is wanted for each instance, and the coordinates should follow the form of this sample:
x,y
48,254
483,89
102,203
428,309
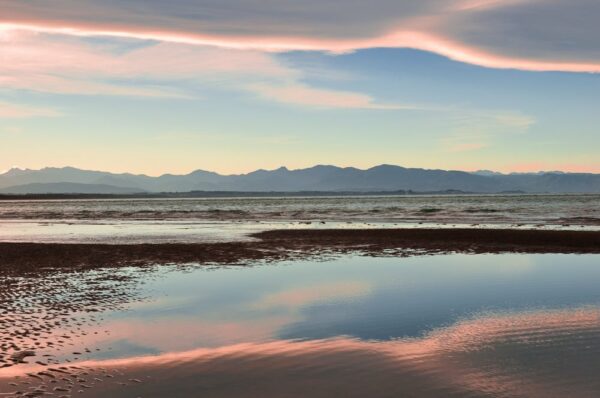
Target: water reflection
x,y
459,325
362,297
532,354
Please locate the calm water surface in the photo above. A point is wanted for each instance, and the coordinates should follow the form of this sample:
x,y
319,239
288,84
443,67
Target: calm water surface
x,y
453,325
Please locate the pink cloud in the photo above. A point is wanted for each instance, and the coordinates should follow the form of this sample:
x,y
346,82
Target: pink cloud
x,y
36,62
414,39
17,111
431,25
39,62
299,94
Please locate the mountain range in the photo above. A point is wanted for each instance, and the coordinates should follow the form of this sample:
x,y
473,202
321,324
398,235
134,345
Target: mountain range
x,y
318,178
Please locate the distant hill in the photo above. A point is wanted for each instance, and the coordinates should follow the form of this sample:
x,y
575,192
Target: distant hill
x,y
66,188
317,178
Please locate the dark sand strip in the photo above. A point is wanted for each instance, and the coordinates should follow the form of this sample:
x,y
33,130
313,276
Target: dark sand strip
x,y
287,244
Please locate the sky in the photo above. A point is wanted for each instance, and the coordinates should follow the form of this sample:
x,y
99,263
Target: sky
x,y
153,86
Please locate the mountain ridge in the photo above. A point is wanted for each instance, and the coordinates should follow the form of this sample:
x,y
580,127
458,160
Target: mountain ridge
x,y
326,178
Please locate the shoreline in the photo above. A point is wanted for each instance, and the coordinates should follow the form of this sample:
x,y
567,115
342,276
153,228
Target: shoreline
x,y
277,245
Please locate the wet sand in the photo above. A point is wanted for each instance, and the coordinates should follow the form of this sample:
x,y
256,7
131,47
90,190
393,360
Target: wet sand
x,y
47,321
48,307
290,244
466,359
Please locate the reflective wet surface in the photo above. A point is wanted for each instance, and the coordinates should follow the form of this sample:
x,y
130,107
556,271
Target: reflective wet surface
x,y
226,219
446,325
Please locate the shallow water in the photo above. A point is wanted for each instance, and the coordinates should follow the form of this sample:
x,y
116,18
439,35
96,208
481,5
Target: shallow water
x,y
447,325
193,220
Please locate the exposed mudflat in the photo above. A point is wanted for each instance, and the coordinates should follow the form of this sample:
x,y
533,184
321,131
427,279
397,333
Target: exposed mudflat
x,y
285,244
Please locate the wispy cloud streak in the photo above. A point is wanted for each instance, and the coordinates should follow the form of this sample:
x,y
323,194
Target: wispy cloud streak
x,y
63,65
18,111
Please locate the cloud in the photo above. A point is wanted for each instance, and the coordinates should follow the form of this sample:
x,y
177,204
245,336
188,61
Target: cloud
x,y
546,31
472,130
299,94
465,146
515,120
58,64
17,111
553,35
66,65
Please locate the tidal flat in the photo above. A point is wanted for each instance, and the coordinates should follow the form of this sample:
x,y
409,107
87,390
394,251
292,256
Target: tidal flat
x,y
351,324
311,308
